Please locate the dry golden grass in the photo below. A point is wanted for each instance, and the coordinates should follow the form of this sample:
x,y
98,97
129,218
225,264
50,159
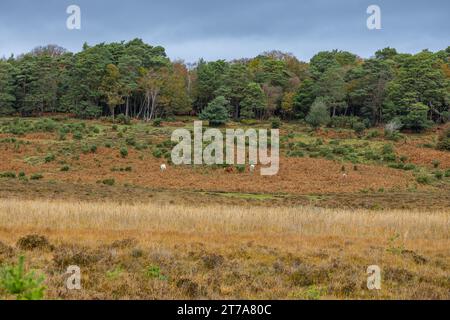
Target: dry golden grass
x,y
223,252
301,221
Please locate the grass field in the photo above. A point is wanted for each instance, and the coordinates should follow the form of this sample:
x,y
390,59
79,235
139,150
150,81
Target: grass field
x,y
155,251
90,193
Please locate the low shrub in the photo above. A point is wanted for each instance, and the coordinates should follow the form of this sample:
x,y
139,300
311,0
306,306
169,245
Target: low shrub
x,y
49,158
33,242
123,119
275,123
36,176
157,122
123,152
436,163
131,141
109,182
8,174
438,174
157,153
423,179
444,140
373,134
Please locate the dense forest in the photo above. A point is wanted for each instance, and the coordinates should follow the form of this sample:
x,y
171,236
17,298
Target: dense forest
x,y
135,80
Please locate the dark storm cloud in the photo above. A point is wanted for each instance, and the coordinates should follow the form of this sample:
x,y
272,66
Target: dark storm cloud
x,y
228,29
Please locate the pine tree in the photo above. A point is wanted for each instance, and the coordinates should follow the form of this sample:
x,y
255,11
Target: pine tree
x,y
216,112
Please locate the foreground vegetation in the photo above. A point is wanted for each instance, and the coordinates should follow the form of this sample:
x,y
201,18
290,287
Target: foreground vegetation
x,y
153,251
90,193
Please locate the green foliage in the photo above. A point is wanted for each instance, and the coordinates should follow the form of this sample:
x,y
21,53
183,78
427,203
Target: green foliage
x,y
123,119
276,123
7,97
372,134
436,163
14,280
444,140
158,153
109,182
359,128
216,112
140,81
77,135
438,174
36,176
423,179
304,98
65,168
417,117
114,273
93,148
254,101
123,152
49,158
403,166
9,174
131,141
347,122
154,272
319,114
157,122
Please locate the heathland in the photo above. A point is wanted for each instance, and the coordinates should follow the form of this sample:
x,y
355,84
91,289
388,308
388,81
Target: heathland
x,y
91,193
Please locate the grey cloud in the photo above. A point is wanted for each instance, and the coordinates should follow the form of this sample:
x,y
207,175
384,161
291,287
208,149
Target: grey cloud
x,y
228,29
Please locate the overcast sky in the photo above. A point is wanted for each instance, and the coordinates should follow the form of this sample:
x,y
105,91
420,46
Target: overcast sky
x,y
227,29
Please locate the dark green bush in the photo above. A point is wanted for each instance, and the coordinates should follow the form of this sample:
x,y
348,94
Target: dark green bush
x,y
109,182
444,140
275,123
121,118
77,135
297,153
157,153
9,174
36,176
131,141
157,122
49,158
123,152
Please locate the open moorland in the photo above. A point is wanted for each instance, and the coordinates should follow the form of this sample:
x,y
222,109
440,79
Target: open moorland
x,y
91,194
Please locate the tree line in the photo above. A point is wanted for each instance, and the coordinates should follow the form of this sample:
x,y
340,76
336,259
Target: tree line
x,y
138,80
